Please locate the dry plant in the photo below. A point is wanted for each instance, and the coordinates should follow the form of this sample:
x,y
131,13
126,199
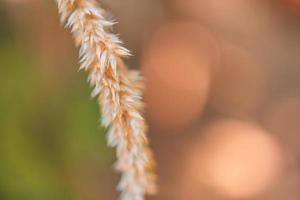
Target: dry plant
x,y
118,91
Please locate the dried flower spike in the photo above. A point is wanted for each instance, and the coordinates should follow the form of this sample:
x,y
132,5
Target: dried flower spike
x,y
118,90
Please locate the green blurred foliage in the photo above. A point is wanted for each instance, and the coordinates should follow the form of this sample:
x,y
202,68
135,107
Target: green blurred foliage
x,y
46,130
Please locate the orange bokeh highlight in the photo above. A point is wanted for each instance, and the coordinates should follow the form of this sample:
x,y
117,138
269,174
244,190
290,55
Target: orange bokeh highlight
x,y
234,158
177,66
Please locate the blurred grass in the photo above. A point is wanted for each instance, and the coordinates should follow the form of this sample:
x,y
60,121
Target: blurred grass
x,y
45,131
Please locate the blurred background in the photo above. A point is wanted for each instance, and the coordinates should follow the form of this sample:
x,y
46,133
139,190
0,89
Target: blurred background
x,y
222,94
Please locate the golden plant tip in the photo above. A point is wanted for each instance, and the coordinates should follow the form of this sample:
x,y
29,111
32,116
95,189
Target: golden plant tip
x,y
118,91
